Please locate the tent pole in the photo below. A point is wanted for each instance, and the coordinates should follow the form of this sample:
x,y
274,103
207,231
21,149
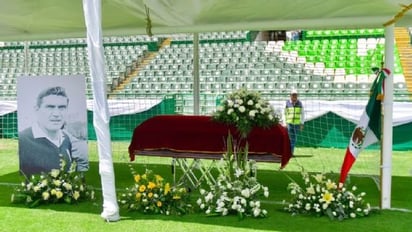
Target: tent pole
x,y
386,153
196,89
101,115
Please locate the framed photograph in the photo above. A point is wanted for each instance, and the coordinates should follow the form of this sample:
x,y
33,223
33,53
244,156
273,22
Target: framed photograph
x,y
52,123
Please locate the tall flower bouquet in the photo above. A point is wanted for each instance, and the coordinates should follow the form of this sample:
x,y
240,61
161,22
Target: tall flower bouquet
x,y
245,109
319,196
237,190
54,187
150,194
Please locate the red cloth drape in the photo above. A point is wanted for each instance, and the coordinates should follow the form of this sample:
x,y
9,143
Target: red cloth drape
x,y
200,134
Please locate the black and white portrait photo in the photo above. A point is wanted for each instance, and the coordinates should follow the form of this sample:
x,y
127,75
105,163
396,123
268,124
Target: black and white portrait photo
x,y
52,124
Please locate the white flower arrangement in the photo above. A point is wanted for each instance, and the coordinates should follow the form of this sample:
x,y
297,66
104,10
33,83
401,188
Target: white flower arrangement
x,y
237,190
245,109
321,196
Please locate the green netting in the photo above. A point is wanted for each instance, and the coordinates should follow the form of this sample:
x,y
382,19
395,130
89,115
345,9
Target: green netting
x,y
333,131
8,125
329,130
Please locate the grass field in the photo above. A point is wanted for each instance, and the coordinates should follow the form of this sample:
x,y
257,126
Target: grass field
x,y
85,216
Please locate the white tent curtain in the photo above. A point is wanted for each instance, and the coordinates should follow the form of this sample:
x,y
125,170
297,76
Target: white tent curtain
x,y
101,116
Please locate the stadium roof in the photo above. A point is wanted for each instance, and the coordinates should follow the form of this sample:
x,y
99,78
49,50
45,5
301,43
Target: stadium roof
x,y
52,19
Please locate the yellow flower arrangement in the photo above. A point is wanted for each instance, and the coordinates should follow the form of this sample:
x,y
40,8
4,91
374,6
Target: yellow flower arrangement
x,y
56,186
319,196
150,194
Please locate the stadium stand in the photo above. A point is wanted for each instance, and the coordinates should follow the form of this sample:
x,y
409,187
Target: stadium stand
x,y
322,65
156,73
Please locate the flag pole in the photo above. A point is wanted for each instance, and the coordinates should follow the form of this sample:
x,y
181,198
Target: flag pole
x,y
387,136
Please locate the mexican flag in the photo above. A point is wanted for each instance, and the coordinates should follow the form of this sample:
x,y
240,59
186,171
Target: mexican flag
x,y
368,130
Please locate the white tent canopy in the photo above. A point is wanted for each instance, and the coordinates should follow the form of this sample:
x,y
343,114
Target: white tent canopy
x,y
52,19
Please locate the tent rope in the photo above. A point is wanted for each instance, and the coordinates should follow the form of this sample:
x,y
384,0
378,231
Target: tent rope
x,y
148,22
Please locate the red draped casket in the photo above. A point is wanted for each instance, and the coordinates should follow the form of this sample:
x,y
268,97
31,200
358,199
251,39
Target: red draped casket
x,y
187,136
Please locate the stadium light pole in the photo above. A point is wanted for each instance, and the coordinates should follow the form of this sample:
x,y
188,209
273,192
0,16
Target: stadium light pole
x,y
387,132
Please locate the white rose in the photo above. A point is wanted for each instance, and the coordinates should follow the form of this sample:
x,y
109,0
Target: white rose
x,y
225,212
257,204
252,113
256,212
252,204
266,194
199,201
242,109
250,102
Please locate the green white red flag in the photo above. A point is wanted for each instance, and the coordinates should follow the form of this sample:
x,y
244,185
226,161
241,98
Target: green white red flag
x,y
368,130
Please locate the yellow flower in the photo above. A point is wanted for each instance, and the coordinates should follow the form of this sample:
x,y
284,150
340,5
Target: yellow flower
x,y
144,176
76,195
328,197
44,182
45,195
59,194
57,182
150,195
137,178
138,196
167,188
151,185
53,192
55,173
176,197
159,204
142,188
67,186
36,188
159,179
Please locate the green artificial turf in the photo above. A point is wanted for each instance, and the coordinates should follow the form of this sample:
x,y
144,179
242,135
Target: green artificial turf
x,y
85,216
